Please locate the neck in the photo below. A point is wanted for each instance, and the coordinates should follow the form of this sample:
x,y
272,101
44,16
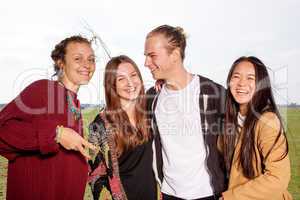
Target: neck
x,y
69,85
129,108
178,79
243,110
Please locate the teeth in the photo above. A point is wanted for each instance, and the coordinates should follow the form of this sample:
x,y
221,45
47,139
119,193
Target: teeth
x,y
131,90
242,91
84,73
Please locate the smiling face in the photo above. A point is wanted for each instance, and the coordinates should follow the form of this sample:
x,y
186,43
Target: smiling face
x,y
158,59
78,65
242,84
128,82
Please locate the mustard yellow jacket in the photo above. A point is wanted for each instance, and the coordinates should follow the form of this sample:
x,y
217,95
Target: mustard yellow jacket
x,y
271,182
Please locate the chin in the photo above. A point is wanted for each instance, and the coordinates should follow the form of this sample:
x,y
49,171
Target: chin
x,y
156,77
131,98
84,82
242,102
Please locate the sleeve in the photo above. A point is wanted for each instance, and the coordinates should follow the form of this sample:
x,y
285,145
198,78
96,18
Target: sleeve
x,y
97,163
150,95
273,182
24,125
97,179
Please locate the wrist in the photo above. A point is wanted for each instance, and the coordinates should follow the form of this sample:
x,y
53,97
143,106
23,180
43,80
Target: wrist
x,y
59,130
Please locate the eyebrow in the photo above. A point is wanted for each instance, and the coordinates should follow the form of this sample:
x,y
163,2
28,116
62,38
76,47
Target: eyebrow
x,y
149,54
122,75
80,54
240,73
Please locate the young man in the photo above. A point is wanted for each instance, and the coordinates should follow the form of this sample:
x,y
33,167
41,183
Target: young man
x,y
186,118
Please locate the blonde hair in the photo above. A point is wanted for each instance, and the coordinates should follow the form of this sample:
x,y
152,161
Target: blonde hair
x,y
175,36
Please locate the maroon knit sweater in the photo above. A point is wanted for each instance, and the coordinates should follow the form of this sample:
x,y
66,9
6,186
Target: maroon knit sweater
x,y
38,167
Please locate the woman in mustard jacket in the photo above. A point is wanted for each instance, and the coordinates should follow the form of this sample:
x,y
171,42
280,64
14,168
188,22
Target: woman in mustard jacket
x,y
254,145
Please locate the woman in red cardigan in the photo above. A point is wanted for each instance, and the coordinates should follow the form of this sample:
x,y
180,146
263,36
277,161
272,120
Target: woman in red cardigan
x,y
41,130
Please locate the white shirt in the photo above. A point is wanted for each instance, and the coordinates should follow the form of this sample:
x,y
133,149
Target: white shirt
x,y
183,150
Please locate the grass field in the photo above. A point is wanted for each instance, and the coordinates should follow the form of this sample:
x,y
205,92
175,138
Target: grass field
x,y
293,126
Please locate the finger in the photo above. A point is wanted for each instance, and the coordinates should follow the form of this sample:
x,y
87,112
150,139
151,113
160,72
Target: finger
x,y
82,151
86,144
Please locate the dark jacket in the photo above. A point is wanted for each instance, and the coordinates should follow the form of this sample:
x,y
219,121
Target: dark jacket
x,y
212,104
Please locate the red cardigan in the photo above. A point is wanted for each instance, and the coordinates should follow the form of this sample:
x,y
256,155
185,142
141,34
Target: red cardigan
x,y
38,167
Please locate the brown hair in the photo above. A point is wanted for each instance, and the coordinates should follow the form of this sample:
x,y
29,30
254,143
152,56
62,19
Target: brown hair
x,y
175,36
126,136
59,52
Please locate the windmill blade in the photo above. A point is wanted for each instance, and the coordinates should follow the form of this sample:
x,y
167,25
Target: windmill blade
x,y
97,38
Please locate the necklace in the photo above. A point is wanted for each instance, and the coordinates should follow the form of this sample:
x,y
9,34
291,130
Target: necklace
x,y
72,107
75,109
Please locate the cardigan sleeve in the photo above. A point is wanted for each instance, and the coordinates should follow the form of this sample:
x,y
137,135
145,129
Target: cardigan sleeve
x,y
98,176
25,125
96,131
273,182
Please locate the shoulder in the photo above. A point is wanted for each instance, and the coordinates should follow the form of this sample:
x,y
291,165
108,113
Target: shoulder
x,y
151,93
39,85
269,120
209,86
35,94
39,89
97,125
268,125
96,130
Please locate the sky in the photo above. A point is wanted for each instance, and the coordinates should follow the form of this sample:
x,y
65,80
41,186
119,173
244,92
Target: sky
x,y
218,33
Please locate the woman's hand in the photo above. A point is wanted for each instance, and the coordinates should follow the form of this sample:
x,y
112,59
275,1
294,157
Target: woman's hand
x,y
71,140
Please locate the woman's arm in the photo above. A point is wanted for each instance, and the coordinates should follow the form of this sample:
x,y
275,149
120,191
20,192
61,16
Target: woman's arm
x,y
23,125
274,180
27,124
97,177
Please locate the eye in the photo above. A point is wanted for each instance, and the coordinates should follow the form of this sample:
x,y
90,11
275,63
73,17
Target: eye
x,y
235,76
251,78
77,59
120,79
134,74
92,60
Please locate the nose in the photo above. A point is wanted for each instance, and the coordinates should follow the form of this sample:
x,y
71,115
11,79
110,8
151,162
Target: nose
x,y
147,61
87,63
129,82
242,81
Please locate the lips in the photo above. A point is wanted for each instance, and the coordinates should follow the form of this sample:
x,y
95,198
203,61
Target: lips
x,y
84,73
132,89
238,91
153,69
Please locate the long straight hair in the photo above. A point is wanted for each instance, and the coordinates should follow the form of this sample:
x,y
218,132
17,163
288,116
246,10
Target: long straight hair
x,y
126,135
262,101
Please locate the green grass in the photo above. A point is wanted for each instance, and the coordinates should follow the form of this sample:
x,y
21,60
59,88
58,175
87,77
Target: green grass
x,y
293,133
293,127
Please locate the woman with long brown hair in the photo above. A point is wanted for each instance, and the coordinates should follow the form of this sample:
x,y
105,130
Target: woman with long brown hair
x,y
124,162
255,146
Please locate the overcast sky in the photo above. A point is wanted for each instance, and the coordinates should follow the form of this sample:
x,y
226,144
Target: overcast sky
x,y
218,33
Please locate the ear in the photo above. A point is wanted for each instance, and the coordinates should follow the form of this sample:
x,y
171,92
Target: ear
x,y
60,64
176,57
